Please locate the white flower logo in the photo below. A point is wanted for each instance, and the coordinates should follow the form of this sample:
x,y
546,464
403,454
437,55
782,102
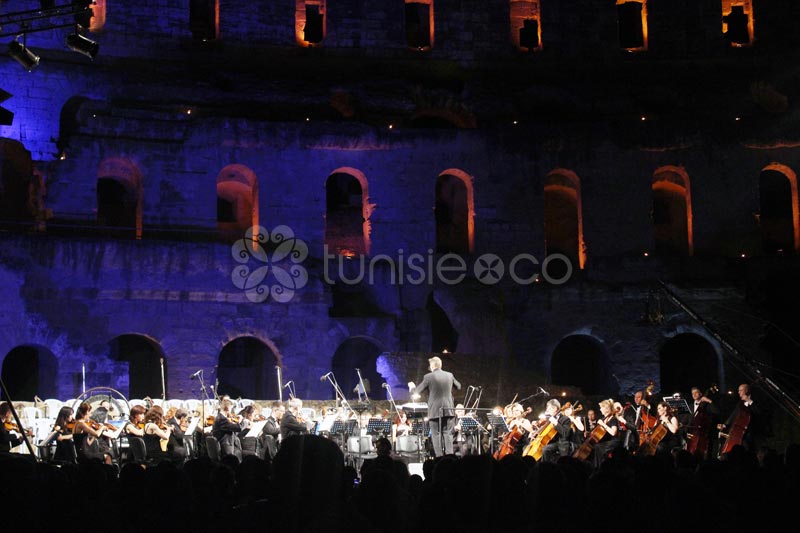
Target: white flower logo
x,y
282,266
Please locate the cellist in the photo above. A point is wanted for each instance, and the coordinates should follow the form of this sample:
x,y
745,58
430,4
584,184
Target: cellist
x,y
610,441
747,410
560,443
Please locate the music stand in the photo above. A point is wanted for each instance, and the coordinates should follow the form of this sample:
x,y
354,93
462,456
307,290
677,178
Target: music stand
x,y
378,426
499,427
677,405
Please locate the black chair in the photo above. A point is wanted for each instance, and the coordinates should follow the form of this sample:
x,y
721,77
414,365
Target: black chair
x,y
271,445
252,446
213,448
137,450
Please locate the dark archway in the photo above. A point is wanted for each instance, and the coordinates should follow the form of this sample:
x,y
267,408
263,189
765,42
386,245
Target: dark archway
x,y
29,371
777,206
453,213
687,360
246,370
16,172
344,214
361,353
144,357
443,335
582,361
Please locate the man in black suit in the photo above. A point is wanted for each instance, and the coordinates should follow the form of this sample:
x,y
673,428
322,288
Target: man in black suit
x,y
226,431
747,416
7,440
290,425
177,445
441,413
272,429
560,445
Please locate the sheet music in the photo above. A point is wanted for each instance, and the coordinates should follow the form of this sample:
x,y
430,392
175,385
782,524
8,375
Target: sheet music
x,y
256,428
326,423
192,425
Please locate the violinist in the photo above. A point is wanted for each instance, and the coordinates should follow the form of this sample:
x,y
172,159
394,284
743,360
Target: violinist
x,y
86,434
271,434
609,442
560,445
577,425
290,423
156,431
624,415
8,440
178,423
65,446
226,430
135,423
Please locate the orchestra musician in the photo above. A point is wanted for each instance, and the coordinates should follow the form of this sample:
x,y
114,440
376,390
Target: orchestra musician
x,y
668,419
591,422
626,431
271,433
179,423
516,419
747,409
401,426
291,422
135,423
65,446
610,441
85,435
226,430
577,425
8,440
704,417
560,444
155,431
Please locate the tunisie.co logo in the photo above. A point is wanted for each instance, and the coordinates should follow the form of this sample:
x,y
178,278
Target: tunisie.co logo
x,y
280,275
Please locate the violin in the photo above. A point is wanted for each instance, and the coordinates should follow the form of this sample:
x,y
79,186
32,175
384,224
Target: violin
x,y
12,426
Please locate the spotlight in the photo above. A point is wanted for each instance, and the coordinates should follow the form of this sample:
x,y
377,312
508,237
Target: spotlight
x,y
23,55
78,43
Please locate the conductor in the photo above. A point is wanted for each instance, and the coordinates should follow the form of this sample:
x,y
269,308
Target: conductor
x,y
441,415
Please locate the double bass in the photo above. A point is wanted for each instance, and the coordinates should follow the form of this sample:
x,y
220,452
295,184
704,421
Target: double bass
x,y
698,440
737,431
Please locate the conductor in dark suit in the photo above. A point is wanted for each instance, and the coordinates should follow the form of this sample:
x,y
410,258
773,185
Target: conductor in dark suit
x,y
441,413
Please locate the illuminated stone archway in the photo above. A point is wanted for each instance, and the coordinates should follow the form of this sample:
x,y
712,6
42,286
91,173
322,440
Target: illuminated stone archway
x,y
454,212
778,209
672,212
119,197
563,216
237,201
347,212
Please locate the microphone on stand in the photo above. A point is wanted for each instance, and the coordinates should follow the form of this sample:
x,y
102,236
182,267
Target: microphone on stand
x,y
290,382
385,385
323,378
196,374
544,392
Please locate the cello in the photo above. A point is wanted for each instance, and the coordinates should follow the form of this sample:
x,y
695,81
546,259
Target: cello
x,y
648,447
511,439
586,448
545,435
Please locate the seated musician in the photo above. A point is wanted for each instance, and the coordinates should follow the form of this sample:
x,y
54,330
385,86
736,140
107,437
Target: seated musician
x,y
65,446
561,443
156,430
626,431
271,434
401,426
516,420
226,430
178,423
85,434
135,423
576,424
610,441
8,439
672,439
108,441
291,423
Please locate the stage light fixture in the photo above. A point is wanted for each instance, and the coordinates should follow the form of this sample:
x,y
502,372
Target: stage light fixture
x,y
78,43
23,55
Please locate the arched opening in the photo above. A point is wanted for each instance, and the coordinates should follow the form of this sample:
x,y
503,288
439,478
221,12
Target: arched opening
x,y
737,22
237,201
144,357
16,177
454,213
780,224
582,361
30,370
309,22
672,212
419,24
687,360
632,25
347,212
246,369
443,335
361,353
526,25
563,220
119,198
